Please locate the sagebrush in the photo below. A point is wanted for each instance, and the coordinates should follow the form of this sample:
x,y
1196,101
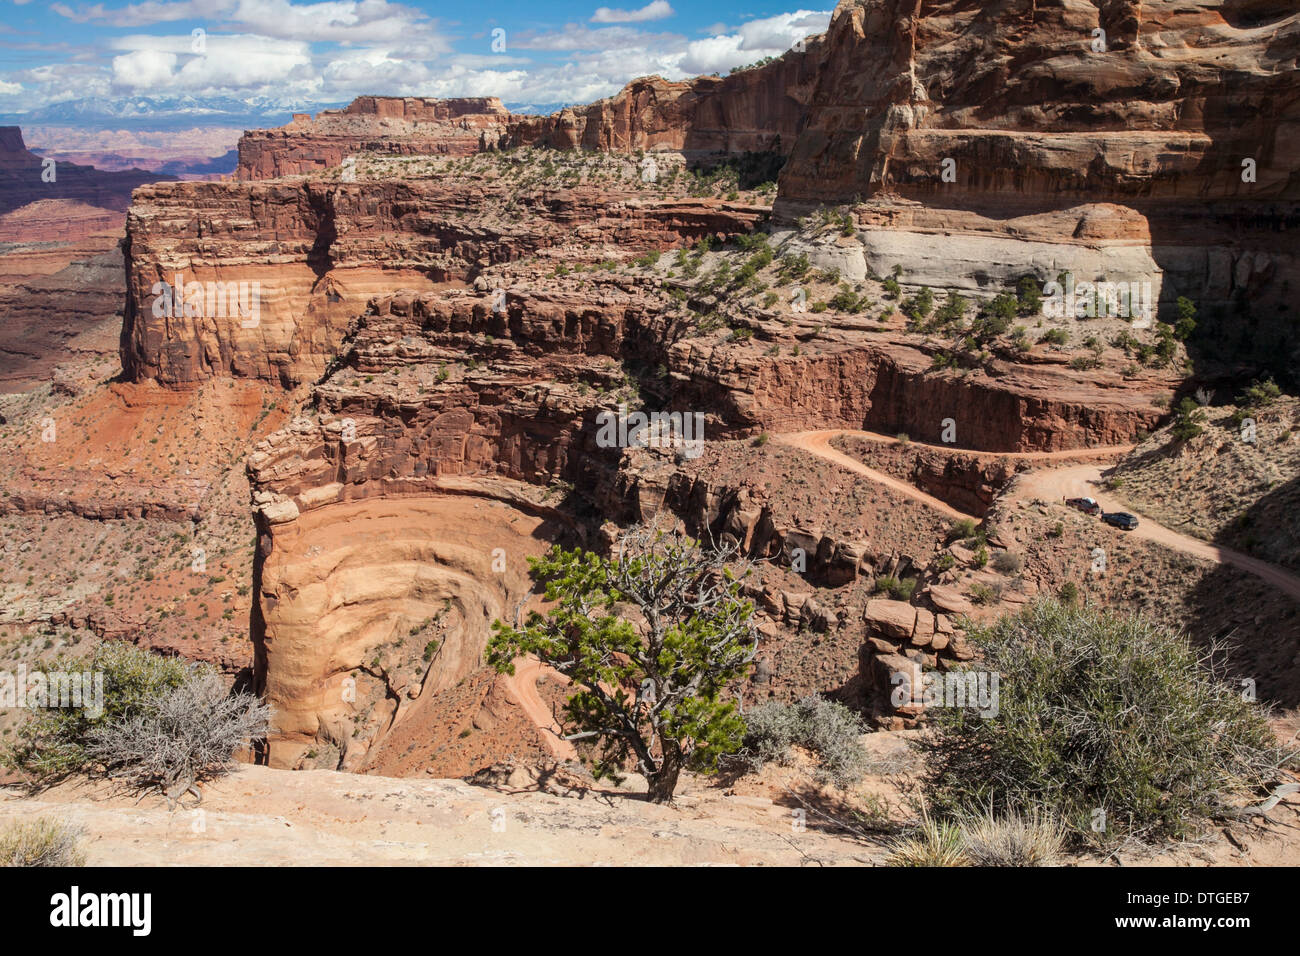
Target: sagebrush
x,y
825,727
1102,718
183,736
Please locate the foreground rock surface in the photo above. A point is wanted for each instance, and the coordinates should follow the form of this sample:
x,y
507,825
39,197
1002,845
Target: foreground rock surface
x,y
268,817
263,817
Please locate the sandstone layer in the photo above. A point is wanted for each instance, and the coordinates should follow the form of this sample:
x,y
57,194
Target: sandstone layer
x,y
318,251
993,141
377,124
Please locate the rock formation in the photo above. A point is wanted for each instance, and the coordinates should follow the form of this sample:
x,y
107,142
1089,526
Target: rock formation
x,y
1147,141
462,302
756,111
383,124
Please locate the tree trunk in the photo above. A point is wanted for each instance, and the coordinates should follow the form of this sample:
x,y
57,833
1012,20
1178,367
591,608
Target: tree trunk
x,y
664,781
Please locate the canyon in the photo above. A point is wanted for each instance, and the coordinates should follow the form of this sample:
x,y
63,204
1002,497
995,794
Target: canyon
x,y
449,296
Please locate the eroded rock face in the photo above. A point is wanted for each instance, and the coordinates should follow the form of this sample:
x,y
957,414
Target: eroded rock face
x,y
61,287
477,385
385,124
991,142
1027,106
758,110
318,251
372,607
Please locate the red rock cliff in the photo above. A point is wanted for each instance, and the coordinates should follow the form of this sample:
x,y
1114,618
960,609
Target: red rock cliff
x,y
383,124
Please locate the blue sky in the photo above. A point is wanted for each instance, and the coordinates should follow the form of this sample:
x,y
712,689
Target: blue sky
x,y
277,54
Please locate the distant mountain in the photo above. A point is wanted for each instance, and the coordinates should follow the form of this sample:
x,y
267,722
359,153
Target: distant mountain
x,y
538,109
162,112
183,111
25,178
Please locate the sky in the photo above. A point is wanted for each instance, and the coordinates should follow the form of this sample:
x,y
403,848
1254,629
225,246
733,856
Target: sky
x,y
233,58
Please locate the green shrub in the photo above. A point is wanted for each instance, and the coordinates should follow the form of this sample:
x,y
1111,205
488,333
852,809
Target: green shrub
x,y
1029,297
1189,419
52,742
899,590
826,728
1099,712
962,529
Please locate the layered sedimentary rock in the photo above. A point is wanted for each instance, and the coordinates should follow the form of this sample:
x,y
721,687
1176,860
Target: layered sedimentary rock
x,y
318,251
521,317
61,286
376,606
26,178
1149,141
756,110
376,124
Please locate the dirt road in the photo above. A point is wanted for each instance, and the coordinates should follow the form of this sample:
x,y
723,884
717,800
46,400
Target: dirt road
x,y
1080,481
523,688
819,444
1052,485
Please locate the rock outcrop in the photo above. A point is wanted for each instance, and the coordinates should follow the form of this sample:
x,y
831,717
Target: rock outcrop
x,y
752,111
315,252
376,124
1144,142
461,316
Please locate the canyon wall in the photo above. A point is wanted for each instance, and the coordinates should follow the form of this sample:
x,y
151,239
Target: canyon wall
x,y
435,395
318,251
402,126
756,110
24,178
1146,141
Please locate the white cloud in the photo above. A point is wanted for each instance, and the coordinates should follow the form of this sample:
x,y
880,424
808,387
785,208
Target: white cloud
x,y
655,10
335,21
752,41
230,64
144,69
331,52
140,14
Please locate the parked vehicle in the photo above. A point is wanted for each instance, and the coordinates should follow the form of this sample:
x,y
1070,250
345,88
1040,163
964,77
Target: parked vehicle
x,y
1121,519
1088,506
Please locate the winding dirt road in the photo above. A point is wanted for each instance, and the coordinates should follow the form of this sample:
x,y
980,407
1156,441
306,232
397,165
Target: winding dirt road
x,y
1081,481
819,443
522,685
1052,485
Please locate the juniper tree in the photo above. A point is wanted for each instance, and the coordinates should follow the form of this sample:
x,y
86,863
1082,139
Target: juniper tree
x,y
651,637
